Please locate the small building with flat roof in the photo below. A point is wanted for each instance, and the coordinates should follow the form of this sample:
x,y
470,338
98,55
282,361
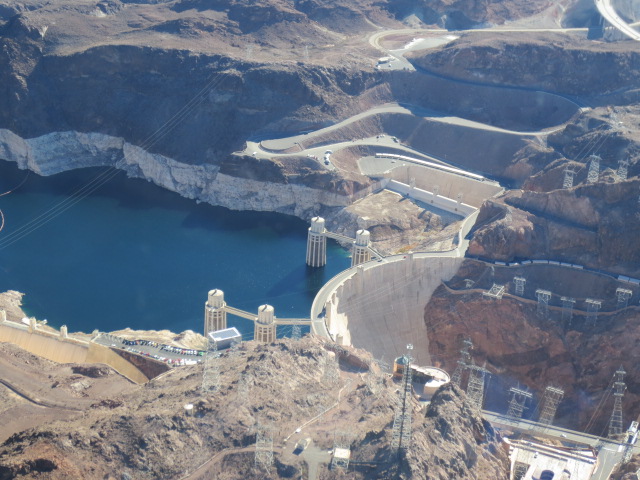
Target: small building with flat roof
x,y
225,337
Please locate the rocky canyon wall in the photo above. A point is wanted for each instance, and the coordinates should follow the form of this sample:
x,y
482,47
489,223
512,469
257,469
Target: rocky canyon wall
x,y
60,151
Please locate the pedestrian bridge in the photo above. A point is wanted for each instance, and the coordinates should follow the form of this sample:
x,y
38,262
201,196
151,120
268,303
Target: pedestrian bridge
x,y
254,317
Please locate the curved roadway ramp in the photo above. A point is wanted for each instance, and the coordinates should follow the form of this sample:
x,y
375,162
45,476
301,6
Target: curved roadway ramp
x,y
610,15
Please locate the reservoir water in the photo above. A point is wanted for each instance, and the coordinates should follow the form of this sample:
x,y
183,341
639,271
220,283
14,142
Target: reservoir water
x,y
132,254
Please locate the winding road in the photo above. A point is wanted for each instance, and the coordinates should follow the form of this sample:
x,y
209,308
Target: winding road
x,y
610,15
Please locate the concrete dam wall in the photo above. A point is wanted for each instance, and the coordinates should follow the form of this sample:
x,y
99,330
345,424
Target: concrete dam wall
x,y
68,350
380,306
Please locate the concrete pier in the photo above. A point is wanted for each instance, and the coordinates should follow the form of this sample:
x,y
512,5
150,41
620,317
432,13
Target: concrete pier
x,y
317,243
265,325
64,333
215,315
361,252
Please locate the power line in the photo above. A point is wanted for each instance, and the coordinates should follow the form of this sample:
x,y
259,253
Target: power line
x,y
110,172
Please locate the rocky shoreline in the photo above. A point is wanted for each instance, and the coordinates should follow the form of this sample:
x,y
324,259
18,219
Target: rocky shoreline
x,y
61,151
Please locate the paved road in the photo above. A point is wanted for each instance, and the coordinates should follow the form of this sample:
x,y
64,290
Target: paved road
x,y
608,12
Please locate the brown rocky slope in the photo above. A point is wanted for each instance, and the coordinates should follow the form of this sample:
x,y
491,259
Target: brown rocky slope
x,y
145,433
519,345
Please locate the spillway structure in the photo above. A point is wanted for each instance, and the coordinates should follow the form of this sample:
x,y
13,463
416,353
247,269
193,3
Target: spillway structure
x,y
215,315
265,325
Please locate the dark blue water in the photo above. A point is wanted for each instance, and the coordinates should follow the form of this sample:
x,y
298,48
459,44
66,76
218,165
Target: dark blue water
x,y
135,255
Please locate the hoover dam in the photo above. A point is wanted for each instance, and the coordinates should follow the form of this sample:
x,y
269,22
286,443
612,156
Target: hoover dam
x,y
478,163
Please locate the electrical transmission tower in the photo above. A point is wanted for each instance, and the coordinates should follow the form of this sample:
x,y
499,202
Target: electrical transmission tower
x,y
615,422
550,401
264,447
623,297
475,387
296,332
401,436
331,369
543,302
211,371
623,167
567,309
592,310
518,402
594,169
569,175
465,359
341,450
519,282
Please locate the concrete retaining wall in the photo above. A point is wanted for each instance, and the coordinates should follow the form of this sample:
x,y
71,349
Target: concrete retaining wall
x,y
450,185
438,201
101,354
47,346
67,350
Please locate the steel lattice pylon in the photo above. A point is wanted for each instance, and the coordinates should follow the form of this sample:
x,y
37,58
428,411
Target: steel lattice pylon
x,y
475,387
465,358
623,296
264,447
517,405
543,302
567,309
618,387
519,282
594,169
341,450
568,178
550,402
211,371
401,436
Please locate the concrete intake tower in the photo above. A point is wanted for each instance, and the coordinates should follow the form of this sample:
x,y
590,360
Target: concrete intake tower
x,y
265,326
215,315
361,252
317,243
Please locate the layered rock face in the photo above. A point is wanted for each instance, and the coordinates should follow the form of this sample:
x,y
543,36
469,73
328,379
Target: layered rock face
x,y
519,345
258,185
553,63
580,225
